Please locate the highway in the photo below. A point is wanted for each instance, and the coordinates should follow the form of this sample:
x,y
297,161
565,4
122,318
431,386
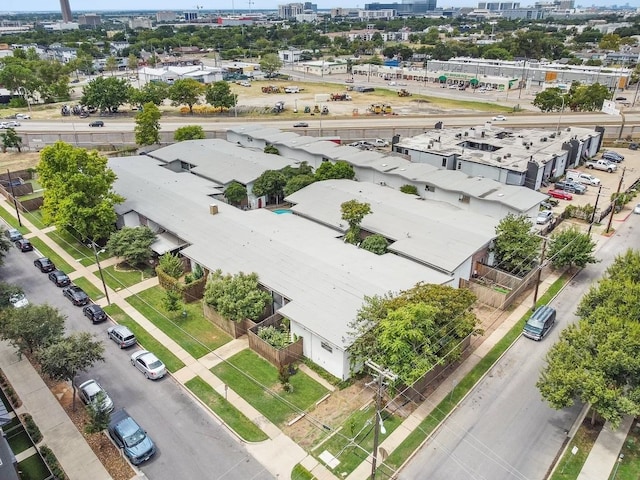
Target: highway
x,y
526,120
503,430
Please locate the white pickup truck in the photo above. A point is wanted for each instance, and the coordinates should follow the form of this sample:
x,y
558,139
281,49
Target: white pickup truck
x,y
582,177
603,165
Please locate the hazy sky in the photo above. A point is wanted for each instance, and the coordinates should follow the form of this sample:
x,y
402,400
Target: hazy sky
x,y
97,5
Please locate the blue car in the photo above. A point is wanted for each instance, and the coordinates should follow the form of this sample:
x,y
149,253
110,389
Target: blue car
x,y
130,437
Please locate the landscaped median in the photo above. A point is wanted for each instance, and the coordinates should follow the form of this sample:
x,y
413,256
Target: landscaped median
x,y
121,276
75,248
191,330
229,414
12,221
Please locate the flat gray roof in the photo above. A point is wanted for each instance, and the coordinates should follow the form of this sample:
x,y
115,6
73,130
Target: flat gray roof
x,y
434,233
325,279
512,149
222,161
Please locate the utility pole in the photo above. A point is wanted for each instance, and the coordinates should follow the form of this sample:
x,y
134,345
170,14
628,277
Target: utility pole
x,y
13,194
595,208
383,374
104,285
615,200
539,274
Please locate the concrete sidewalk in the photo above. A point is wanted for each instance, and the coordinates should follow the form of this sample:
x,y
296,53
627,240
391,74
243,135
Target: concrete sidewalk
x,y
605,452
58,431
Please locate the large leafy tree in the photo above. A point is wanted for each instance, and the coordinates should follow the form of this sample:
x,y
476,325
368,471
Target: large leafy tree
x,y
78,190
596,360
516,245
236,297
235,192
69,356
549,100
271,182
297,183
186,91
133,244
412,332
353,212
589,98
105,93
571,247
147,129
154,92
190,132
10,139
337,170
219,94
270,63
32,327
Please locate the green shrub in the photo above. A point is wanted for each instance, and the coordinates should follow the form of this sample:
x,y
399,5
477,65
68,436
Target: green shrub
x,y
52,463
410,189
171,265
375,243
31,428
274,337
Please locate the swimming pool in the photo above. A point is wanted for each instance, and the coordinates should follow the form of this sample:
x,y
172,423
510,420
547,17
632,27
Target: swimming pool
x,y
282,211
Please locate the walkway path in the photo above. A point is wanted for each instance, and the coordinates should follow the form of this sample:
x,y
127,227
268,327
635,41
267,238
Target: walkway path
x,y
279,454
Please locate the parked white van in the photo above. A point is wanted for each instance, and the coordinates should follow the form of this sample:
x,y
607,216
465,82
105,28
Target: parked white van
x,y
292,89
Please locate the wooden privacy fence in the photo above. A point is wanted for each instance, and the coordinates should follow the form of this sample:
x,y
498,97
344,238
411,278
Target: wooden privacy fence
x,y
499,289
279,357
235,329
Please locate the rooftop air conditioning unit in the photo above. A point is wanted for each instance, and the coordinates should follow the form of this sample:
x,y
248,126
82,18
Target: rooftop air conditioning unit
x,y
499,159
528,147
466,134
568,129
507,155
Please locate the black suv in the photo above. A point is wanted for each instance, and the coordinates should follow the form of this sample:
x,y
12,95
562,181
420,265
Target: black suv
x,y
94,313
59,278
76,295
24,245
44,265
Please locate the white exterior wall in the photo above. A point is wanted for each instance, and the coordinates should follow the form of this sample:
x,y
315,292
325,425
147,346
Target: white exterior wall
x,y
335,362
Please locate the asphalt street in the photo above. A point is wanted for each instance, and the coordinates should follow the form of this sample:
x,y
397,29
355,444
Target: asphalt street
x,y
191,443
503,430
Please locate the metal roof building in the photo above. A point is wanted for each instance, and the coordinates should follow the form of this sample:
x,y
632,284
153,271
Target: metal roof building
x,y
320,281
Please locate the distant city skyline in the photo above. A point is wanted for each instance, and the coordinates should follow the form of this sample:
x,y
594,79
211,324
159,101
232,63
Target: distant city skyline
x,y
242,5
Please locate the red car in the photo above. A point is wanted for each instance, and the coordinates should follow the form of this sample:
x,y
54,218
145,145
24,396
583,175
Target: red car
x,y
560,194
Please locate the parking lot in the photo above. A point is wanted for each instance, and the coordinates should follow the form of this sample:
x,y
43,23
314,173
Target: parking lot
x,y
630,168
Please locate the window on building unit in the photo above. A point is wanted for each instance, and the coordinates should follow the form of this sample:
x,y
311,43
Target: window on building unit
x,y
464,198
444,162
430,188
327,347
459,165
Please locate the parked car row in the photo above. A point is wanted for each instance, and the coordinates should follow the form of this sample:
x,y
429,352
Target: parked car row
x,y
612,156
122,428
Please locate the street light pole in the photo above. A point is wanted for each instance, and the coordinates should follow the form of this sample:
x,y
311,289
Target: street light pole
x,y
104,285
560,116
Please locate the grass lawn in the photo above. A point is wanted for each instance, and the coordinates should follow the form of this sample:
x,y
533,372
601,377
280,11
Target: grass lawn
x,y
226,411
19,440
75,248
301,473
45,250
417,436
33,468
89,288
251,369
194,333
353,444
629,466
570,465
35,217
145,339
123,276
11,220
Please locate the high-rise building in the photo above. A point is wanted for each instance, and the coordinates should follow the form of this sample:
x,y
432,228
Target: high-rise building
x,y
66,11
